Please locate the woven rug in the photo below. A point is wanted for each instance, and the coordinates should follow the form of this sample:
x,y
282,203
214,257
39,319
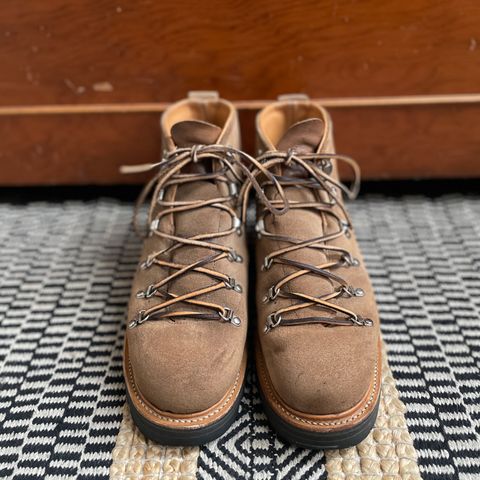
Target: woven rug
x,y
65,273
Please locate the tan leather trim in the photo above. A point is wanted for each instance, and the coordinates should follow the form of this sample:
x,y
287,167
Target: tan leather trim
x,y
320,423
181,421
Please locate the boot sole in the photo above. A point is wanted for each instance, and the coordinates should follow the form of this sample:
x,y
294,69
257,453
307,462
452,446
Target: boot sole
x,y
334,431
167,428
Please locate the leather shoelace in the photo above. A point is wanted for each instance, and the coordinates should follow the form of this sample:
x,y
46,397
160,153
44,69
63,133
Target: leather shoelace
x,y
234,168
318,168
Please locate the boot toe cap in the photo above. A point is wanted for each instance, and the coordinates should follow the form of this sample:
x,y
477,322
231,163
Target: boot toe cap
x,y
319,378
183,370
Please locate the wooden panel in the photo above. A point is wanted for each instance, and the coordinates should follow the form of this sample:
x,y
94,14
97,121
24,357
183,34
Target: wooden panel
x,y
415,142
75,149
104,51
401,142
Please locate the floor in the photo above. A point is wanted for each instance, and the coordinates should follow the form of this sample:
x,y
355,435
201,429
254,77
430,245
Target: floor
x,y
65,272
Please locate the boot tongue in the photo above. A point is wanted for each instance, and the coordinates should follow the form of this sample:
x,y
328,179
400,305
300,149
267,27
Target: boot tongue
x,y
188,133
194,132
304,136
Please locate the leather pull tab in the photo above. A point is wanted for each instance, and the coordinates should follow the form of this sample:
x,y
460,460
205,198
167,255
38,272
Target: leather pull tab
x,y
293,97
203,95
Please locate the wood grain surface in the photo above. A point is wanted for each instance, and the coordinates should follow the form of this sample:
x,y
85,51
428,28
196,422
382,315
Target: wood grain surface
x,y
415,142
103,51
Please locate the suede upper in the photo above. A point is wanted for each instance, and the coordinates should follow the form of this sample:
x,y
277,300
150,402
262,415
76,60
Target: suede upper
x,y
186,365
315,368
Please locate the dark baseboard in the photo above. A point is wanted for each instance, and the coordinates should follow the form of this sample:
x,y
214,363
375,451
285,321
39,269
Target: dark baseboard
x,y
393,188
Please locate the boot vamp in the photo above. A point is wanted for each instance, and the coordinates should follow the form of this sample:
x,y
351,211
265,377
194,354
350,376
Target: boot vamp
x,y
187,365
315,368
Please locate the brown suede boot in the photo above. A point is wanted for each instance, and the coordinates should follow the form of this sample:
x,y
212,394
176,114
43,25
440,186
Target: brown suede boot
x,y
185,357
318,341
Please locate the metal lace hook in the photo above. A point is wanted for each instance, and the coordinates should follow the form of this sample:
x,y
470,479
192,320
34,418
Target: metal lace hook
x,y
233,256
228,316
260,227
272,294
237,225
149,292
362,322
232,284
350,291
326,165
147,263
267,263
350,261
140,318
273,320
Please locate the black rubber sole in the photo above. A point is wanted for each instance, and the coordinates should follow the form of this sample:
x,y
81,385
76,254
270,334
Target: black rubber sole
x,y
184,437
320,441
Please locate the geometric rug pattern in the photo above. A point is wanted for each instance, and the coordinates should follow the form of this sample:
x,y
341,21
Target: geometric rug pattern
x,y
388,451
65,273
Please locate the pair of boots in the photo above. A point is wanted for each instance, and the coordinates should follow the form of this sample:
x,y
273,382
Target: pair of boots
x,y
317,341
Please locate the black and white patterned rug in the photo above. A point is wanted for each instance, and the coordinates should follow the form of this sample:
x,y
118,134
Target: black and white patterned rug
x,y
65,272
